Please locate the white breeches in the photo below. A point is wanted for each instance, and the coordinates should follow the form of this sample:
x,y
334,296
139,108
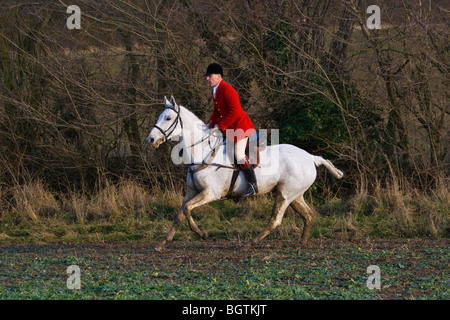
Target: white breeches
x,y
239,149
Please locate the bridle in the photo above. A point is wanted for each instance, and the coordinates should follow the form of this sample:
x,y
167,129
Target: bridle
x,y
173,126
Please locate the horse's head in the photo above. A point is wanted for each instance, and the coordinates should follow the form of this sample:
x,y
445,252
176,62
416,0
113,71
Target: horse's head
x,y
169,124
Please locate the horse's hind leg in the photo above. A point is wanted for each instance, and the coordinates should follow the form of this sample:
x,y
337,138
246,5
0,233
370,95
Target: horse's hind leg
x,y
277,216
307,214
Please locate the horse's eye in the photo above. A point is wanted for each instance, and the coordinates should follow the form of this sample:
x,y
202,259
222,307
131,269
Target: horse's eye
x,y
168,118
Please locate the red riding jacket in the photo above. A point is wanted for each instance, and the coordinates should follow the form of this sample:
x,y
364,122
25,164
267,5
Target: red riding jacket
x,y
228,114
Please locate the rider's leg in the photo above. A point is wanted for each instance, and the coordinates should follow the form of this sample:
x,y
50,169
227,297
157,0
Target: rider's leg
x,y
239,150
246,167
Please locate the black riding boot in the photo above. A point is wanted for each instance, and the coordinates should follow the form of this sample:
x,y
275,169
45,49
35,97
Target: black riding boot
x,y
252,187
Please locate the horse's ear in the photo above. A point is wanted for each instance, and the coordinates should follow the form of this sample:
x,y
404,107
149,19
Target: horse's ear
x,y
166,102
172,100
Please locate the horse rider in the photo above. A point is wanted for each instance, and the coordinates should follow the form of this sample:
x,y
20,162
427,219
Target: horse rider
x,y
229,117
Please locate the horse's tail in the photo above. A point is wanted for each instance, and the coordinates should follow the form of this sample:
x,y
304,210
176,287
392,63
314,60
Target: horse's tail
x,y
318,161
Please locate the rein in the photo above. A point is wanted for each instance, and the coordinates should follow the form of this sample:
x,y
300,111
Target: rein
x,y
204,165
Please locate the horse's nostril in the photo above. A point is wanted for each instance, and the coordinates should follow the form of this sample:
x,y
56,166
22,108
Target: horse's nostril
x,y
149,140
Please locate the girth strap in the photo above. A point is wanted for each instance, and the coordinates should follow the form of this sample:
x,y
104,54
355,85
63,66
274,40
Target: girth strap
x,y
233,182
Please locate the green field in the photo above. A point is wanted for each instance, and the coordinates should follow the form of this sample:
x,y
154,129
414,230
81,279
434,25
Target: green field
x,y
110,239
326,269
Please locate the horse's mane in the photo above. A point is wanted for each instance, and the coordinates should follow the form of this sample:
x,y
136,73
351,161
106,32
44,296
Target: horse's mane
x,y
191,115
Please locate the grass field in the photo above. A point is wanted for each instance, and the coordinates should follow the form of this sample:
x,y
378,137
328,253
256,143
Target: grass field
x,y
109,237
326,269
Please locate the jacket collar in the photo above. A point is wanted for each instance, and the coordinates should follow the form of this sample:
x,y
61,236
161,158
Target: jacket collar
x,y
219,88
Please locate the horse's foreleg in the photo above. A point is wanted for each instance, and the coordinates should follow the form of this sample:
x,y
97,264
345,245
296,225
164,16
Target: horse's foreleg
x,y
277,216
178,220
203,197
159,246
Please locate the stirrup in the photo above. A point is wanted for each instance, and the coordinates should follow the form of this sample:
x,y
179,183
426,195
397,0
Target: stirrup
x,y
251,190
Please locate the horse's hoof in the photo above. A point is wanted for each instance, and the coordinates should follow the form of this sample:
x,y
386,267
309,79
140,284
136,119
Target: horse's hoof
x,y
246,247
158,247
302,244
205,235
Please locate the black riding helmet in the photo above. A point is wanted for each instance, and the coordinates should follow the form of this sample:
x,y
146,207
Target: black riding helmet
x,y
214,68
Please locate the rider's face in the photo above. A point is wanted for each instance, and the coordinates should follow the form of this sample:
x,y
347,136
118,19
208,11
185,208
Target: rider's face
x,y
213,79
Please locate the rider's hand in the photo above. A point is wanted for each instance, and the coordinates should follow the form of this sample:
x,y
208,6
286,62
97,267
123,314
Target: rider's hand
x,y
217,132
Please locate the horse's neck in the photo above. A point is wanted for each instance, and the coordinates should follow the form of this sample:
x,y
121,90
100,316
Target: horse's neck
x,y
194,130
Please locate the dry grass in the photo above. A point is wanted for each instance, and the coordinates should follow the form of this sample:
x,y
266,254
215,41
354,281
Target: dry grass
x,y
33,200
129,210
113,202
392,210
